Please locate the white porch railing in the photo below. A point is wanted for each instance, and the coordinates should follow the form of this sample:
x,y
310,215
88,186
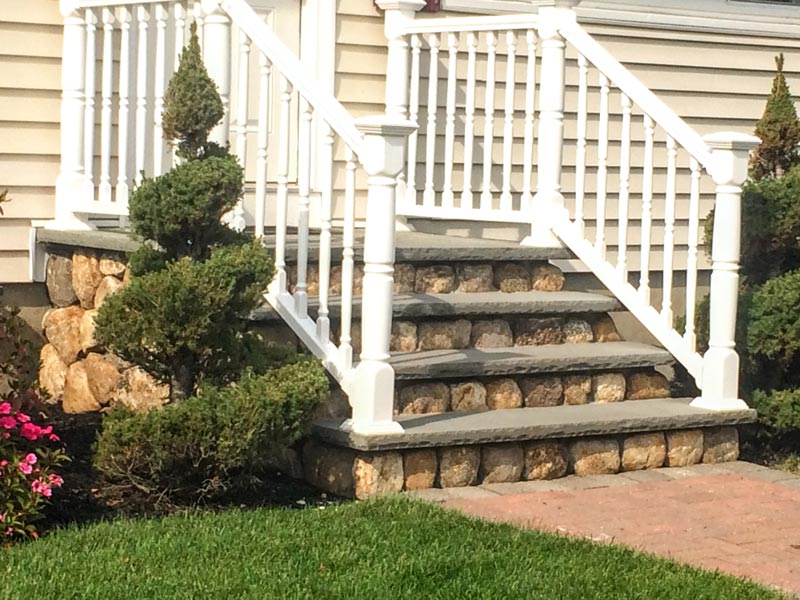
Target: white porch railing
x,y
459,166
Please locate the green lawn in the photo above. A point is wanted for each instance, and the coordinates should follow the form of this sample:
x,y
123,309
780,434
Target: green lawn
x,y
391,548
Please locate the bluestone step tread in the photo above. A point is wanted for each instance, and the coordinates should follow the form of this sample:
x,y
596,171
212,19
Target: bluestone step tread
x,y
461,304
522,424
522,360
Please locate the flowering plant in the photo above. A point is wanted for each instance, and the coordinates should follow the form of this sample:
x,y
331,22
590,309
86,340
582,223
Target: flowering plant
x,y
27,479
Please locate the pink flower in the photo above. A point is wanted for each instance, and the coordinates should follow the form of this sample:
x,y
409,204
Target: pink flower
x,y
3,463
47,430
2,518
31,459
30,431
54,438
55,480
8,422
23,418
25,468
9,531
5,408
39,487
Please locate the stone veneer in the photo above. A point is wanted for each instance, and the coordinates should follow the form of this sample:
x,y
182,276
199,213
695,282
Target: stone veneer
x,y
353,473
75,370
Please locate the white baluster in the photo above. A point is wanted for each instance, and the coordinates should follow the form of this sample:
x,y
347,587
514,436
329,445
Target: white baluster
x,y
469,120
303,201
411,171
162,15
720,362
669,234
508,123
691,260
602,168
348,255
326,215
262,139
647,209
91,90
580,157
142,24
123,118
450,123
282,199
373,381
530,115
624,188
237,220
200,21
488,128
179,15
217,58
72,185
107,90
429,195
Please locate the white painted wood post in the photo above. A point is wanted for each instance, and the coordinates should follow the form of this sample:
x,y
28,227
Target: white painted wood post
x,y
398,14
548,203
721,362
372,397
72,186
217,58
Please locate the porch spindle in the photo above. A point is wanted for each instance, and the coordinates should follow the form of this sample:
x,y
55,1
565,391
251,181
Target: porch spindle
x,y
106,92
580,156
282,199
506,201
469,121
217,57
91,90
142,27
488,120
691,260
413,108
262,139
237,220
179,15
669,234
720,362
429,195
303,202
123,117
450,122
624,188
530,108
161,15
348,263
602,169
326,216
647,209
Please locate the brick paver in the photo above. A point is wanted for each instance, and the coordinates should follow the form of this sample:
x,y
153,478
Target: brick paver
x,y
740,519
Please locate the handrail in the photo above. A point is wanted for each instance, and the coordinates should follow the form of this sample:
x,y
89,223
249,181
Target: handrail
x,y
640,94
324,103
70,5
466,24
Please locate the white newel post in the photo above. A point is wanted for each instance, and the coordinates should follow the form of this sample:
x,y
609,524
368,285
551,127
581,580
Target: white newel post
x,y
548,203
72,186
398,14
217,58
721,362
372,396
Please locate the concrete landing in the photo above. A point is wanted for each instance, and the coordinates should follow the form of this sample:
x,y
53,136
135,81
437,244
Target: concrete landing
x,y
523,360
522,424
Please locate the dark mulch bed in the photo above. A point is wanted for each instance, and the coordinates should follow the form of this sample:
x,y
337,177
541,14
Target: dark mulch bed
x,y
87,497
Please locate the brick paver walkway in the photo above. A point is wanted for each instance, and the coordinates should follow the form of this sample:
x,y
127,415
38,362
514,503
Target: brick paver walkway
x,y
738,518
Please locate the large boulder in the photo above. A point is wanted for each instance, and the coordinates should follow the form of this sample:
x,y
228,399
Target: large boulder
x,y
545,460
542,391
86,276
594,457
419,469
103,373
503,393
435,279
491,334
138,391
53,372
77,396
423,399
58,280
444,335
458,466
643,451
62,328
684,447
468,397
501,463
377,473
474,278
108,285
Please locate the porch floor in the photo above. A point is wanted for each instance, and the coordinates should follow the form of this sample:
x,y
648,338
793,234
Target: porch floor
x,y
521,424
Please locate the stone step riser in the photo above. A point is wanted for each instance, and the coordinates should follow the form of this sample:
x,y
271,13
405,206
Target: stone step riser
x,y
352,473
499,393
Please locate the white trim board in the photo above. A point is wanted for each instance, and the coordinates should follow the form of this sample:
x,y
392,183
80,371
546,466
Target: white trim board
x,y
708,16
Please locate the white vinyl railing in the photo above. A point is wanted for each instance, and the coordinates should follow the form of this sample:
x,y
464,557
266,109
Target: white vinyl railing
x,y
487,91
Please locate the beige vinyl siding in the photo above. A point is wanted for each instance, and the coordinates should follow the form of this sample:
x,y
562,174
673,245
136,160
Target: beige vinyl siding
x,y
30,87
714,81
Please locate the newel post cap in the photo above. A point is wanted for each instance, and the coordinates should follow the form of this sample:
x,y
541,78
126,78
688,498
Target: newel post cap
x,y
569,4
385,125
729,153
410,5
210,6
731,140
385,138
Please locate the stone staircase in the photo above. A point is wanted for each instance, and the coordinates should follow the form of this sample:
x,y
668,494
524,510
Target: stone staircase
x,y
502,374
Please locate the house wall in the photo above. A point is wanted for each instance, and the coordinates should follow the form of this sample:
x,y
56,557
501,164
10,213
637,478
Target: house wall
x,y
30,89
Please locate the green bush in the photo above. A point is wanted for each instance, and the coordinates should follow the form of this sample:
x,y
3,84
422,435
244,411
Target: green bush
x,y
779,409
779,131
203,444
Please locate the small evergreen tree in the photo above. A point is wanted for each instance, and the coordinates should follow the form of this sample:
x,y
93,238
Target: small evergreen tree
x,y
182,318
779,131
